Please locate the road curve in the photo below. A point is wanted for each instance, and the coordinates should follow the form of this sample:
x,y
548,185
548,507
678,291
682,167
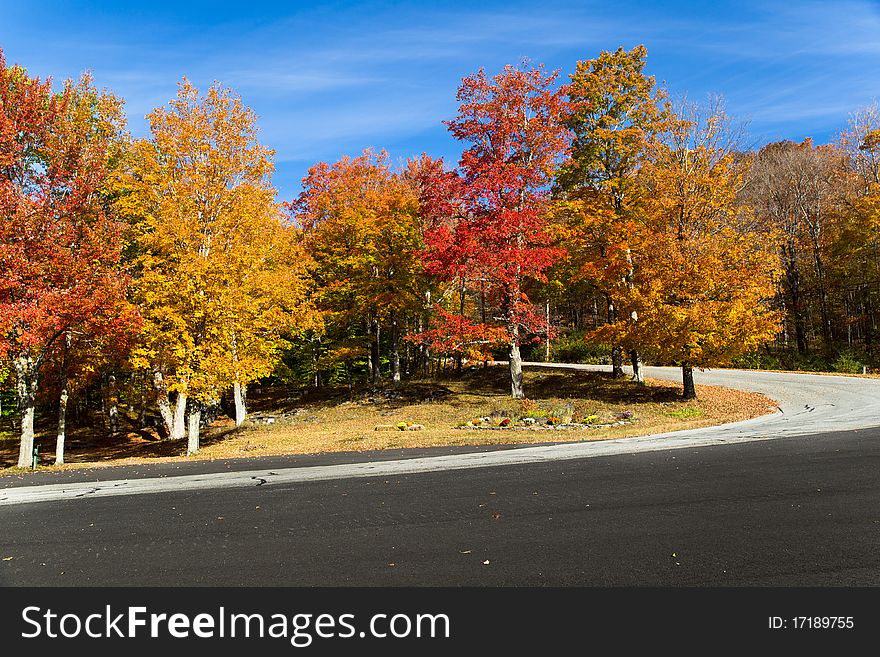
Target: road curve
x,y
807,404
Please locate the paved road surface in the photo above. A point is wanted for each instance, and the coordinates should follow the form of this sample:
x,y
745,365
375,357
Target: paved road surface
x,y
795,511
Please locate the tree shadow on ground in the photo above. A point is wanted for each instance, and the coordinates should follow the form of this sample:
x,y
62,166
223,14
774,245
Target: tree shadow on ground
x,y
571,384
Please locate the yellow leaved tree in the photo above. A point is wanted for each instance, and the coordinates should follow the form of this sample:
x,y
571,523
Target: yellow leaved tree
x,y
617,113
220,279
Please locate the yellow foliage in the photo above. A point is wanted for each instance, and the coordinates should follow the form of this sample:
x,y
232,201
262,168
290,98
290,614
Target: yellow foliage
x,y
220,279
703,274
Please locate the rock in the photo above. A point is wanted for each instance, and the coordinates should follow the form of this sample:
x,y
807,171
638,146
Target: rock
x,y
385,427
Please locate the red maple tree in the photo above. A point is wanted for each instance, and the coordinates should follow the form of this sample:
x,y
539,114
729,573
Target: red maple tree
x,y
486,221
60,250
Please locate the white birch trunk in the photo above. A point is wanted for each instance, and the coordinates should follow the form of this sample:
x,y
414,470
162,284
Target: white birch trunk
x,y
395,350
179,424
62,427
638,372
195,417
516,375
164,404
238,391
547,341
62,402
238,394
26,374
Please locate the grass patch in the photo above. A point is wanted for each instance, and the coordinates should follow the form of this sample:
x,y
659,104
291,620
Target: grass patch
x,y
686,413
331,420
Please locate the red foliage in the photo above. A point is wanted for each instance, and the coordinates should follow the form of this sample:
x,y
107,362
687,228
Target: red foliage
x,y
453,334
59,248
485,222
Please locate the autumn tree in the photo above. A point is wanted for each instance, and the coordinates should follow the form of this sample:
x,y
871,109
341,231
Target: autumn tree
x,y
617,113
854,258
361,226
706,273
60,246
493,225
796,190
860,142
219,278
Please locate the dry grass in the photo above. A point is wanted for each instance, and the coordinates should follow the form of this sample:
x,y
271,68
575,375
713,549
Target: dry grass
x,y
329,421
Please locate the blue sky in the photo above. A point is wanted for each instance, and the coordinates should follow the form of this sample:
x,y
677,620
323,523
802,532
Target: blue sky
x,y
328,79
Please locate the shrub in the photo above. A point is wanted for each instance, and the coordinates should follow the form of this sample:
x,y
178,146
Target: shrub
x,y
847,363
573,348
757,361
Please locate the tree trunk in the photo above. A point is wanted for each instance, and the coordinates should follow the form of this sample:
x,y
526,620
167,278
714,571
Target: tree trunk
x,y
395,350
793,282
179,425
617,362
164,404
26,375
422,357
516,375
239,394
636,360
316,359
483,312
629,279
62,402
459,357
374,349
407,356
195,418
369,359
827,329
62,426
547,341
142,406
113,404
687,377
616,350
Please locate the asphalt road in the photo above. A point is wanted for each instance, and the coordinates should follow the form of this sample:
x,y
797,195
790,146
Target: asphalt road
x,y
792,511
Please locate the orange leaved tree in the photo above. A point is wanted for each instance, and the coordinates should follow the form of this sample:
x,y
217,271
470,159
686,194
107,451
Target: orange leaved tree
x,y
219,278
706,274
